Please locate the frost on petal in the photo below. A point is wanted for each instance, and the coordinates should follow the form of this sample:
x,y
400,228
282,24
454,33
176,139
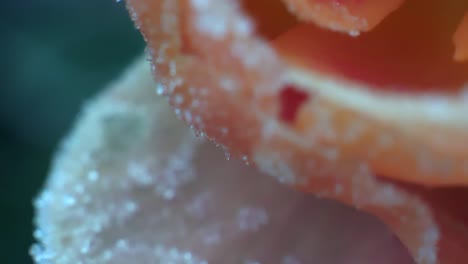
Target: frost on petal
x,y
131,184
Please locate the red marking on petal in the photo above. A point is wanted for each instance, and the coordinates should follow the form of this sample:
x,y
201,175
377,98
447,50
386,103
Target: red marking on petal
x,y
291,99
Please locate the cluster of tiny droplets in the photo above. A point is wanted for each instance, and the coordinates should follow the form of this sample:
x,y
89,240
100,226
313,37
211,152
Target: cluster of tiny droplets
x,y
117,179
82,199
280,168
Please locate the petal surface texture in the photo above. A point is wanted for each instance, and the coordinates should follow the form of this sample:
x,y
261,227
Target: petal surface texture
x,y
132,184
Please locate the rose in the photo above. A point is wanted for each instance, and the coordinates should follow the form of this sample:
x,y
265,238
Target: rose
x,y
295,110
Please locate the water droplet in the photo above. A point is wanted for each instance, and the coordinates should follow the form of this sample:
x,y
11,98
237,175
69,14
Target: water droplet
x,y
199,134
168,194
122,244
290,260
93,176
249,261
245,158
69,200
251,219
354,33
130,207
227,154
159,89
178,99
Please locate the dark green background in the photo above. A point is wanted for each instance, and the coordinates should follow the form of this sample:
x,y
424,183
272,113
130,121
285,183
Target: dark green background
x,y
54,55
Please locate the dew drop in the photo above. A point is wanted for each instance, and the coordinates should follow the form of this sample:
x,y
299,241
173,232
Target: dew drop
x,y
290,260
354,33
69,200
159,89
93,176
251,219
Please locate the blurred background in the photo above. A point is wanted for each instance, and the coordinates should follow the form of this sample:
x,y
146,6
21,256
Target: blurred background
x,y
55,55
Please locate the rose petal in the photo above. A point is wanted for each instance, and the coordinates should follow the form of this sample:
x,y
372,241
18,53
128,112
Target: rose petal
x,y
344,15
132,184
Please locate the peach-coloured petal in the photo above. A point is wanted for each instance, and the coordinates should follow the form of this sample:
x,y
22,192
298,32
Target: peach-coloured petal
x,y
395,90
227,82
352,16
225,53
460,38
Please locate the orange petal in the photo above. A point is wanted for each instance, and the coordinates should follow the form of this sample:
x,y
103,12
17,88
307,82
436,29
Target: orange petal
x,y
388,92
344,15
229,85
460,39
404,130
